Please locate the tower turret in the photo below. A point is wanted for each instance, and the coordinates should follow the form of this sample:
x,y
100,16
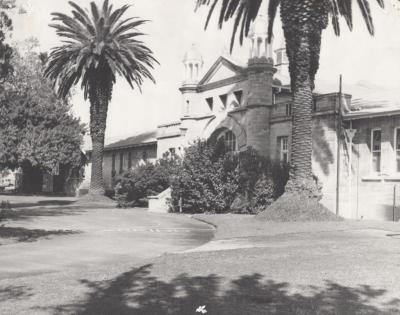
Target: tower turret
x,y
193,62
259,46
260,71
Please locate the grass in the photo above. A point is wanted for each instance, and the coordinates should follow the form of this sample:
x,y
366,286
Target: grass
x,y
323,273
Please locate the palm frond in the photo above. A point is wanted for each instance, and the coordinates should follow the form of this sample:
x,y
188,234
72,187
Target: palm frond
x,y
97,48
346,11
366,13
245,10
272,10
335,17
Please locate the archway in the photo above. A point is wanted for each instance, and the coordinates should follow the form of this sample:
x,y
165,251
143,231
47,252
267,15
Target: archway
x,y
227,136
220,126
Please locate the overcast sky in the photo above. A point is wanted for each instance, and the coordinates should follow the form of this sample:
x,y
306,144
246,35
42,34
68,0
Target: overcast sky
x,y
174,27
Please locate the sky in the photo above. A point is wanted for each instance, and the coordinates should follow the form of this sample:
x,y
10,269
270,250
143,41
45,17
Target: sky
x,y
174,26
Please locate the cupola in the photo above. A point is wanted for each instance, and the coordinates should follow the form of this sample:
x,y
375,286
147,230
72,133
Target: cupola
x,y
193,62
258,36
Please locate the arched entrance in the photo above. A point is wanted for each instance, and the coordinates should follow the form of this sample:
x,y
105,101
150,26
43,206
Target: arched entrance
x,y
227,136
227,127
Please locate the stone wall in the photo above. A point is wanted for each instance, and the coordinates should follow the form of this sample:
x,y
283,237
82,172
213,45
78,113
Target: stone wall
x,y
373,195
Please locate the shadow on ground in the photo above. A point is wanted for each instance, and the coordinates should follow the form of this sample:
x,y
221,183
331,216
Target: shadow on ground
x,y
14,293
27,214
139,292
20,234
54,202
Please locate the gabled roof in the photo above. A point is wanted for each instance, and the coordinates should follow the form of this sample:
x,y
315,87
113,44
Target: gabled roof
x,y
142,139
222,61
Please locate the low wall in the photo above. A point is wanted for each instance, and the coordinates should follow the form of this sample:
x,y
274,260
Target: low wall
x,y
159,203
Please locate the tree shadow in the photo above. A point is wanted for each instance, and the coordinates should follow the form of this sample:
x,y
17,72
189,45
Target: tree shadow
x,y
20,234
53,202
139,292
321,149
27,214
15,293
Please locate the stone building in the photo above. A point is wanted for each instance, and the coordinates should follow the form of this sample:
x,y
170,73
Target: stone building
x,y
250,105
123,155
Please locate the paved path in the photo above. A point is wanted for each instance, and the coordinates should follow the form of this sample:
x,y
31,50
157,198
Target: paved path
x,y
86,244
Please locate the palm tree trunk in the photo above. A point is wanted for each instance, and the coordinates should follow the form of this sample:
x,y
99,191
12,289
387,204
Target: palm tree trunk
x,y
303,22
301,48
98,117
301,134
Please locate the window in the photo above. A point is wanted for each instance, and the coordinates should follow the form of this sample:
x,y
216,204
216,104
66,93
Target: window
x,y
113,165
397,148
224,99
230,140
376,150
144,155
187,108
279,57
314,104
129,160
288,110
283,143
210,102
121,162
239,96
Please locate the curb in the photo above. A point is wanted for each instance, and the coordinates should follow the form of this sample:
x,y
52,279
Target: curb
x,y
215,227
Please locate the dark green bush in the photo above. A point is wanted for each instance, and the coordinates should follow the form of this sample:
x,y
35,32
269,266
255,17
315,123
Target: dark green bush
x,y
207,180
133,187
211,179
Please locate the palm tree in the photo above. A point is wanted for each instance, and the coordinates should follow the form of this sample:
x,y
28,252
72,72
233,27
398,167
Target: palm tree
x,y
303,22
94,49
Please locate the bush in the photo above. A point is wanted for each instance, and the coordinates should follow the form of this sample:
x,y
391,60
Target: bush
x,y
261,181
211,179
133,187
207,179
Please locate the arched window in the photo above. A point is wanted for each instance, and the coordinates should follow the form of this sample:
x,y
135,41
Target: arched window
x,y
230,140
227,137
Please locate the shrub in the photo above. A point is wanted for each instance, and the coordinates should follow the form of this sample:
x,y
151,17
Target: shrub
x,y
211,179
207,179
133,187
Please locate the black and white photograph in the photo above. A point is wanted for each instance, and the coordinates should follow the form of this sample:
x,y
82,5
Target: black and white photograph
x,y
218,157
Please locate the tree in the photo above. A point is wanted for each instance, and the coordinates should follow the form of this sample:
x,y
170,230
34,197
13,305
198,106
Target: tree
x,y
94,50
6,51
303,22
37,131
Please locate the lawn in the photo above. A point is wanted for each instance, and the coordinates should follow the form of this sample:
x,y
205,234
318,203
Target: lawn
x,y
326,268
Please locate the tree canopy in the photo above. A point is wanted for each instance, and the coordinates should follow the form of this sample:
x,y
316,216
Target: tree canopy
x,y
36,127
6,51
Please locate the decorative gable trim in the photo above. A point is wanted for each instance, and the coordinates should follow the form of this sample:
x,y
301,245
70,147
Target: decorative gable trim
x,y
221,61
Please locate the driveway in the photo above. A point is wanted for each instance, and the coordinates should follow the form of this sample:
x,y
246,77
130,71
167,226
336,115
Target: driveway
x,y
58,245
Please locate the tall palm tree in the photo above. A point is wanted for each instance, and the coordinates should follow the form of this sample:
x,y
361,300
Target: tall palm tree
x,y
303,22
94,50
